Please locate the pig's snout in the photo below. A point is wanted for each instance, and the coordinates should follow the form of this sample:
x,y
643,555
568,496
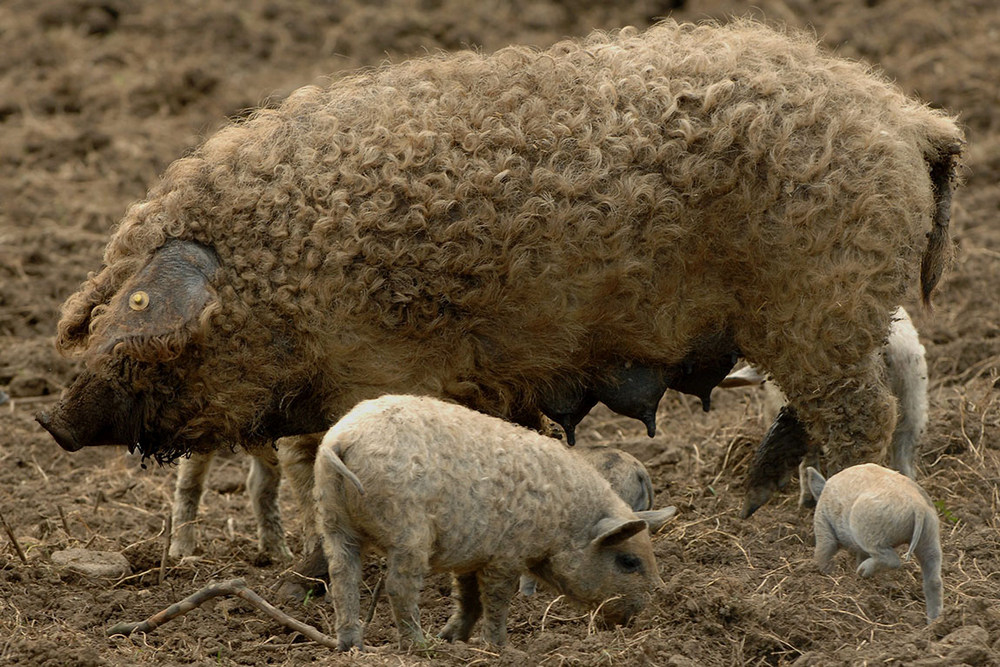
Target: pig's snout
x,y
619,610
58,430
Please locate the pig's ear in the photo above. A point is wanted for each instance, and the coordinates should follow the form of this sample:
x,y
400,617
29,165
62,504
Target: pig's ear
x,y
816,481
610,531
656,518
161,299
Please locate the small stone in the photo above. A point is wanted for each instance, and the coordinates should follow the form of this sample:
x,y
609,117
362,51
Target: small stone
x,y
968,634
93,563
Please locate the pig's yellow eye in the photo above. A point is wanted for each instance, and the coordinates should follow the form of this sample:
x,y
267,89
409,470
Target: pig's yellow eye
x,y
138,300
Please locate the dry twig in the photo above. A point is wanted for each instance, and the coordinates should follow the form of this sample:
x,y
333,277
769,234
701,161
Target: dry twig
x,y
13,540
235,587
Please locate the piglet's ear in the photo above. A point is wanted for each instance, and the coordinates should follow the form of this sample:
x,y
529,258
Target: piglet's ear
x,y
610,531
816,481
165,295
656,518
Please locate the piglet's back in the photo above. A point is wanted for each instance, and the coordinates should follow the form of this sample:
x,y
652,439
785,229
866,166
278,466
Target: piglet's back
x,y
875,482
482,486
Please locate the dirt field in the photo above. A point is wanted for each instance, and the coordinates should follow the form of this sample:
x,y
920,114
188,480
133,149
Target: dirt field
x,y
98,96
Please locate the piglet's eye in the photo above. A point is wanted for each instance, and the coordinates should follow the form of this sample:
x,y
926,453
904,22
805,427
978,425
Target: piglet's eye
x,y
628,562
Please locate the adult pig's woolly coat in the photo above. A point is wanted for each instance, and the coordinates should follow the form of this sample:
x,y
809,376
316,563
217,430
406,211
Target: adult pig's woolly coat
x,y
503,229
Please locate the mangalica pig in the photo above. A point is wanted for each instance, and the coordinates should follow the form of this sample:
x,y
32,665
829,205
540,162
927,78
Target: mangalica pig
x,y
870,510
523,232
438,487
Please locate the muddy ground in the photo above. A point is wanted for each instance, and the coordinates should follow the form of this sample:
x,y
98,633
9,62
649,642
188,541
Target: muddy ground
x,y
98,96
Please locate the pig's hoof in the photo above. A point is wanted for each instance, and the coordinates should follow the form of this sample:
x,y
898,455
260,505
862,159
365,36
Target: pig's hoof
x,y
867,568
456,629
349,645
275,551
180,549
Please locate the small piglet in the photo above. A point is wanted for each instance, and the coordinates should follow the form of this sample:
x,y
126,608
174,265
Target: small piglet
x,y
869,510
437,487
625,473
627,476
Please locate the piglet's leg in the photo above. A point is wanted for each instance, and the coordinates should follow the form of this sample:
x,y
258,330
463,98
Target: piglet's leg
x,y
826,543
403,580
468,608
344,559
929,556
497,588
881,558
932,590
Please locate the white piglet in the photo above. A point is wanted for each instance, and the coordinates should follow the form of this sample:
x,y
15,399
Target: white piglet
x,y
437,487
870,510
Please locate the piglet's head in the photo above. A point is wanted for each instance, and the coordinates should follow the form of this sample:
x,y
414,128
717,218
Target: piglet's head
x,y
615,570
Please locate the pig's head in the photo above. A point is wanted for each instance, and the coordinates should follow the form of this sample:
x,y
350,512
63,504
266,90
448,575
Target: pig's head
x,y
135,338
614,571
209,323
163,371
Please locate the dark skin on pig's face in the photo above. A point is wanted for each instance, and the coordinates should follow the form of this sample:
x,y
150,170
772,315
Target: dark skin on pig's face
x,y
141,385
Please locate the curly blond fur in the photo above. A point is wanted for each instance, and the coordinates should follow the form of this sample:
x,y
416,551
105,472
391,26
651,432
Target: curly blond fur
x,y
486,227
438,487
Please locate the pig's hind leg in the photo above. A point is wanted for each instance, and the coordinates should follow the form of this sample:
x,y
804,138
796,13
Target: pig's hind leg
x,y
868,532
468,608
344,562
405,570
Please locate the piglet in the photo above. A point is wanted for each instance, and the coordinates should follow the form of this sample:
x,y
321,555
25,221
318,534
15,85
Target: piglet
x,y
869,510
437,487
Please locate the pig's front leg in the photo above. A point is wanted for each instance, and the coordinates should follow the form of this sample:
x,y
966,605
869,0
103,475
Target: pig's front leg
x,y
882,558
263,481
191,476
497,587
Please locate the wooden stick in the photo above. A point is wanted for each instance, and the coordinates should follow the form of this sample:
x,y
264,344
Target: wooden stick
x,y
235,587
65,523
13,540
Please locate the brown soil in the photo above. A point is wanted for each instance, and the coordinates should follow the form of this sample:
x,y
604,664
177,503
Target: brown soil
x,y
98,96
